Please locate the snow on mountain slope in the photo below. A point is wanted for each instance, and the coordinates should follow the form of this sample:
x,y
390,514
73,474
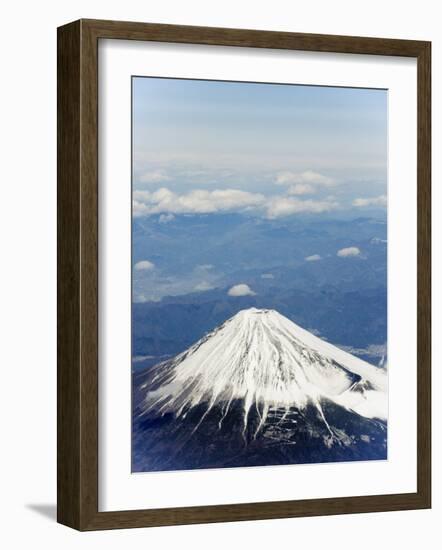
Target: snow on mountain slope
x,y
266,361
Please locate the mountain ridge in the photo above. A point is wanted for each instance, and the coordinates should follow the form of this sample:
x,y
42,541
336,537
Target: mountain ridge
x,y
262,359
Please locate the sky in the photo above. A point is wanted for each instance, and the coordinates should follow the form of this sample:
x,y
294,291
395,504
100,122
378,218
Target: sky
x,y
268,149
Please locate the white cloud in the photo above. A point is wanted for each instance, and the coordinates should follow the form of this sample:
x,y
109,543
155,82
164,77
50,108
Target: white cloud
x,y
371,201
144,265
308,177
350,251
166,218
313,258
205,267
154,176
283,206
267,276
301,189
167,203
203,286
241,290
198,201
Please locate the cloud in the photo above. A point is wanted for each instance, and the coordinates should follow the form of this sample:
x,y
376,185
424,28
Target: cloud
x,y
267,276
241,290
371,201
144,265
154,176
203,286
284,206
308,177
198,201
301,189
350,251
205,267
313,258
166,218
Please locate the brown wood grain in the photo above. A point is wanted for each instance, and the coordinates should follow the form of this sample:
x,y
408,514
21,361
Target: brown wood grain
x,y
68,276
424,273
77,226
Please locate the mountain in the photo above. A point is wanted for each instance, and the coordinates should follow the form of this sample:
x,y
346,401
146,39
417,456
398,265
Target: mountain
x,y
356,319
258,390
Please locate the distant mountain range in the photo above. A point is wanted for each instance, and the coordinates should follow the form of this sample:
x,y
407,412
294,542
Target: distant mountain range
x,y
226,249
198,258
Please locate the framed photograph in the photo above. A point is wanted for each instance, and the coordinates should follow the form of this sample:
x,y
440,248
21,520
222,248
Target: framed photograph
x,y
243,274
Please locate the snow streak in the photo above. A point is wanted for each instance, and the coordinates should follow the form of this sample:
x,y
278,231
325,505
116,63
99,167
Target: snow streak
x,y
268,362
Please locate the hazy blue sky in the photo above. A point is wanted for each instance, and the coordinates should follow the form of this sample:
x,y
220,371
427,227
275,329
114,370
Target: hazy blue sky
x,y
209,146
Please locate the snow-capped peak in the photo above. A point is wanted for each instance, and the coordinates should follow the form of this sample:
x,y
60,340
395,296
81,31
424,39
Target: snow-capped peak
x,y
265,360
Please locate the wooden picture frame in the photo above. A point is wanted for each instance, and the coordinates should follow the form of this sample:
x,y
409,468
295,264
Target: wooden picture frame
x,y
78,274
